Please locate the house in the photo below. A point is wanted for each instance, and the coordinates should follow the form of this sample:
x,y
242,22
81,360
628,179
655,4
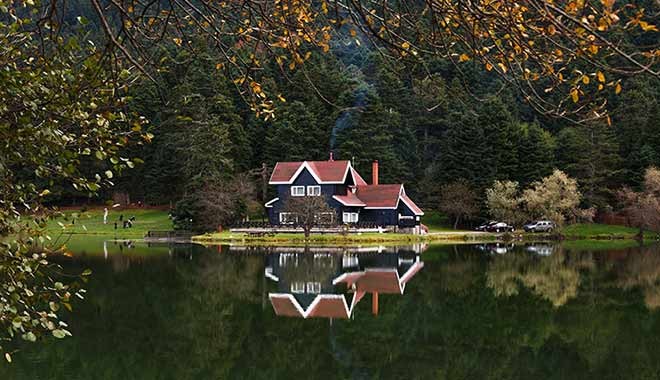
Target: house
x,y
354,200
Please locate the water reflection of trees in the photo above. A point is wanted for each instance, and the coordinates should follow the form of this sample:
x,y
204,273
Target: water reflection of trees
x,y
641,269
555,277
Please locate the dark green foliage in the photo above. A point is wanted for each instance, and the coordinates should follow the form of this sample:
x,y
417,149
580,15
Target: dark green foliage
x,y
590,154
536,154
463,152
426,130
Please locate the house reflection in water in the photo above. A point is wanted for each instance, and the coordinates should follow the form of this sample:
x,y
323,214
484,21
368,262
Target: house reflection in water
x,y
327,283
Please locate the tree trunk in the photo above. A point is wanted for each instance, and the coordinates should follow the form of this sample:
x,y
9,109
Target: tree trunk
x,y
456,222
307,230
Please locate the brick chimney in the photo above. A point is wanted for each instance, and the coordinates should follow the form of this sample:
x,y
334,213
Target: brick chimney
x,y
374,172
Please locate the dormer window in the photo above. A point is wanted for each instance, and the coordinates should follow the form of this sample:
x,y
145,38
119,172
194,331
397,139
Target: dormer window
x,y
314,191
297,191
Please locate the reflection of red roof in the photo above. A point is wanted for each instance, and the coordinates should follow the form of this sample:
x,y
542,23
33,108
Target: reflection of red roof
x,y
379,280
349,199
379,195
323,306
323,171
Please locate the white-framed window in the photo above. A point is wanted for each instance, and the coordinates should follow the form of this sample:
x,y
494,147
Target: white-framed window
x,y
288,218
297,191
313,287
314,191
298,287
417,218
350,217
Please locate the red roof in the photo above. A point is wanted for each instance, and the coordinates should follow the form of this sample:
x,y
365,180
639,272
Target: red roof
x,y
349,199
357,178
383,196
415,209
323,171
284,171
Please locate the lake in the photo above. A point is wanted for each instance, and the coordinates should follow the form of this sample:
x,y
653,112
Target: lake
x,y
493,311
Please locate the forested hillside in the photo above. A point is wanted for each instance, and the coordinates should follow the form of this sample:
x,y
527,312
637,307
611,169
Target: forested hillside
x,y
429,124
425,133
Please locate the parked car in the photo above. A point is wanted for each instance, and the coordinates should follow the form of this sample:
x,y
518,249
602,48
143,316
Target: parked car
x,y
539,226
484,227
500,227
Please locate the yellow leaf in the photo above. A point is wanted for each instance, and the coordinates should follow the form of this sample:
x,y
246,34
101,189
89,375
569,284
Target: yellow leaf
x,y
609,121
353,33
585,79
489,67
600,76
574,95
219,66
551,29
177,41
647,27
617,89
405,45
464,57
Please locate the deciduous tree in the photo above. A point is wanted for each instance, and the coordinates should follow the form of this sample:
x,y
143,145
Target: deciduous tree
x,y
555,197
504,203
310,211
458,200
643,207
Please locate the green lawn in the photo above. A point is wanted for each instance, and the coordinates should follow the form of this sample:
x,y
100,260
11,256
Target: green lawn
x,y
91,222
299,238
599,231
437,222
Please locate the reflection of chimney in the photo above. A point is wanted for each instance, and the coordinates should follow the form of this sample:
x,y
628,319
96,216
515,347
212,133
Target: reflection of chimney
x,y
332,156
374,303
374,173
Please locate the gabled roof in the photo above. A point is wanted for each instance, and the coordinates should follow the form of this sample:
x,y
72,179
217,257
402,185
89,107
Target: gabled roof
x,y
385,196
349,199
411,205
379,196
323,171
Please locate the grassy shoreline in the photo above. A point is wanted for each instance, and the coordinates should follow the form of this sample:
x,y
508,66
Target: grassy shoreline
x,y
90,223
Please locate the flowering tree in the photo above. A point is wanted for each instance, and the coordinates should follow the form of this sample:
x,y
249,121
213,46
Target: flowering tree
x,y
504,203
555,197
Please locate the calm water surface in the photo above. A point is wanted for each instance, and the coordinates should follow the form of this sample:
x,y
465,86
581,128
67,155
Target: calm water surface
x,y
536,311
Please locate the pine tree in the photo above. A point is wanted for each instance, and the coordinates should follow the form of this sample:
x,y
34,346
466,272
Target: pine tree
x,y
536,154
463,154
501,134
